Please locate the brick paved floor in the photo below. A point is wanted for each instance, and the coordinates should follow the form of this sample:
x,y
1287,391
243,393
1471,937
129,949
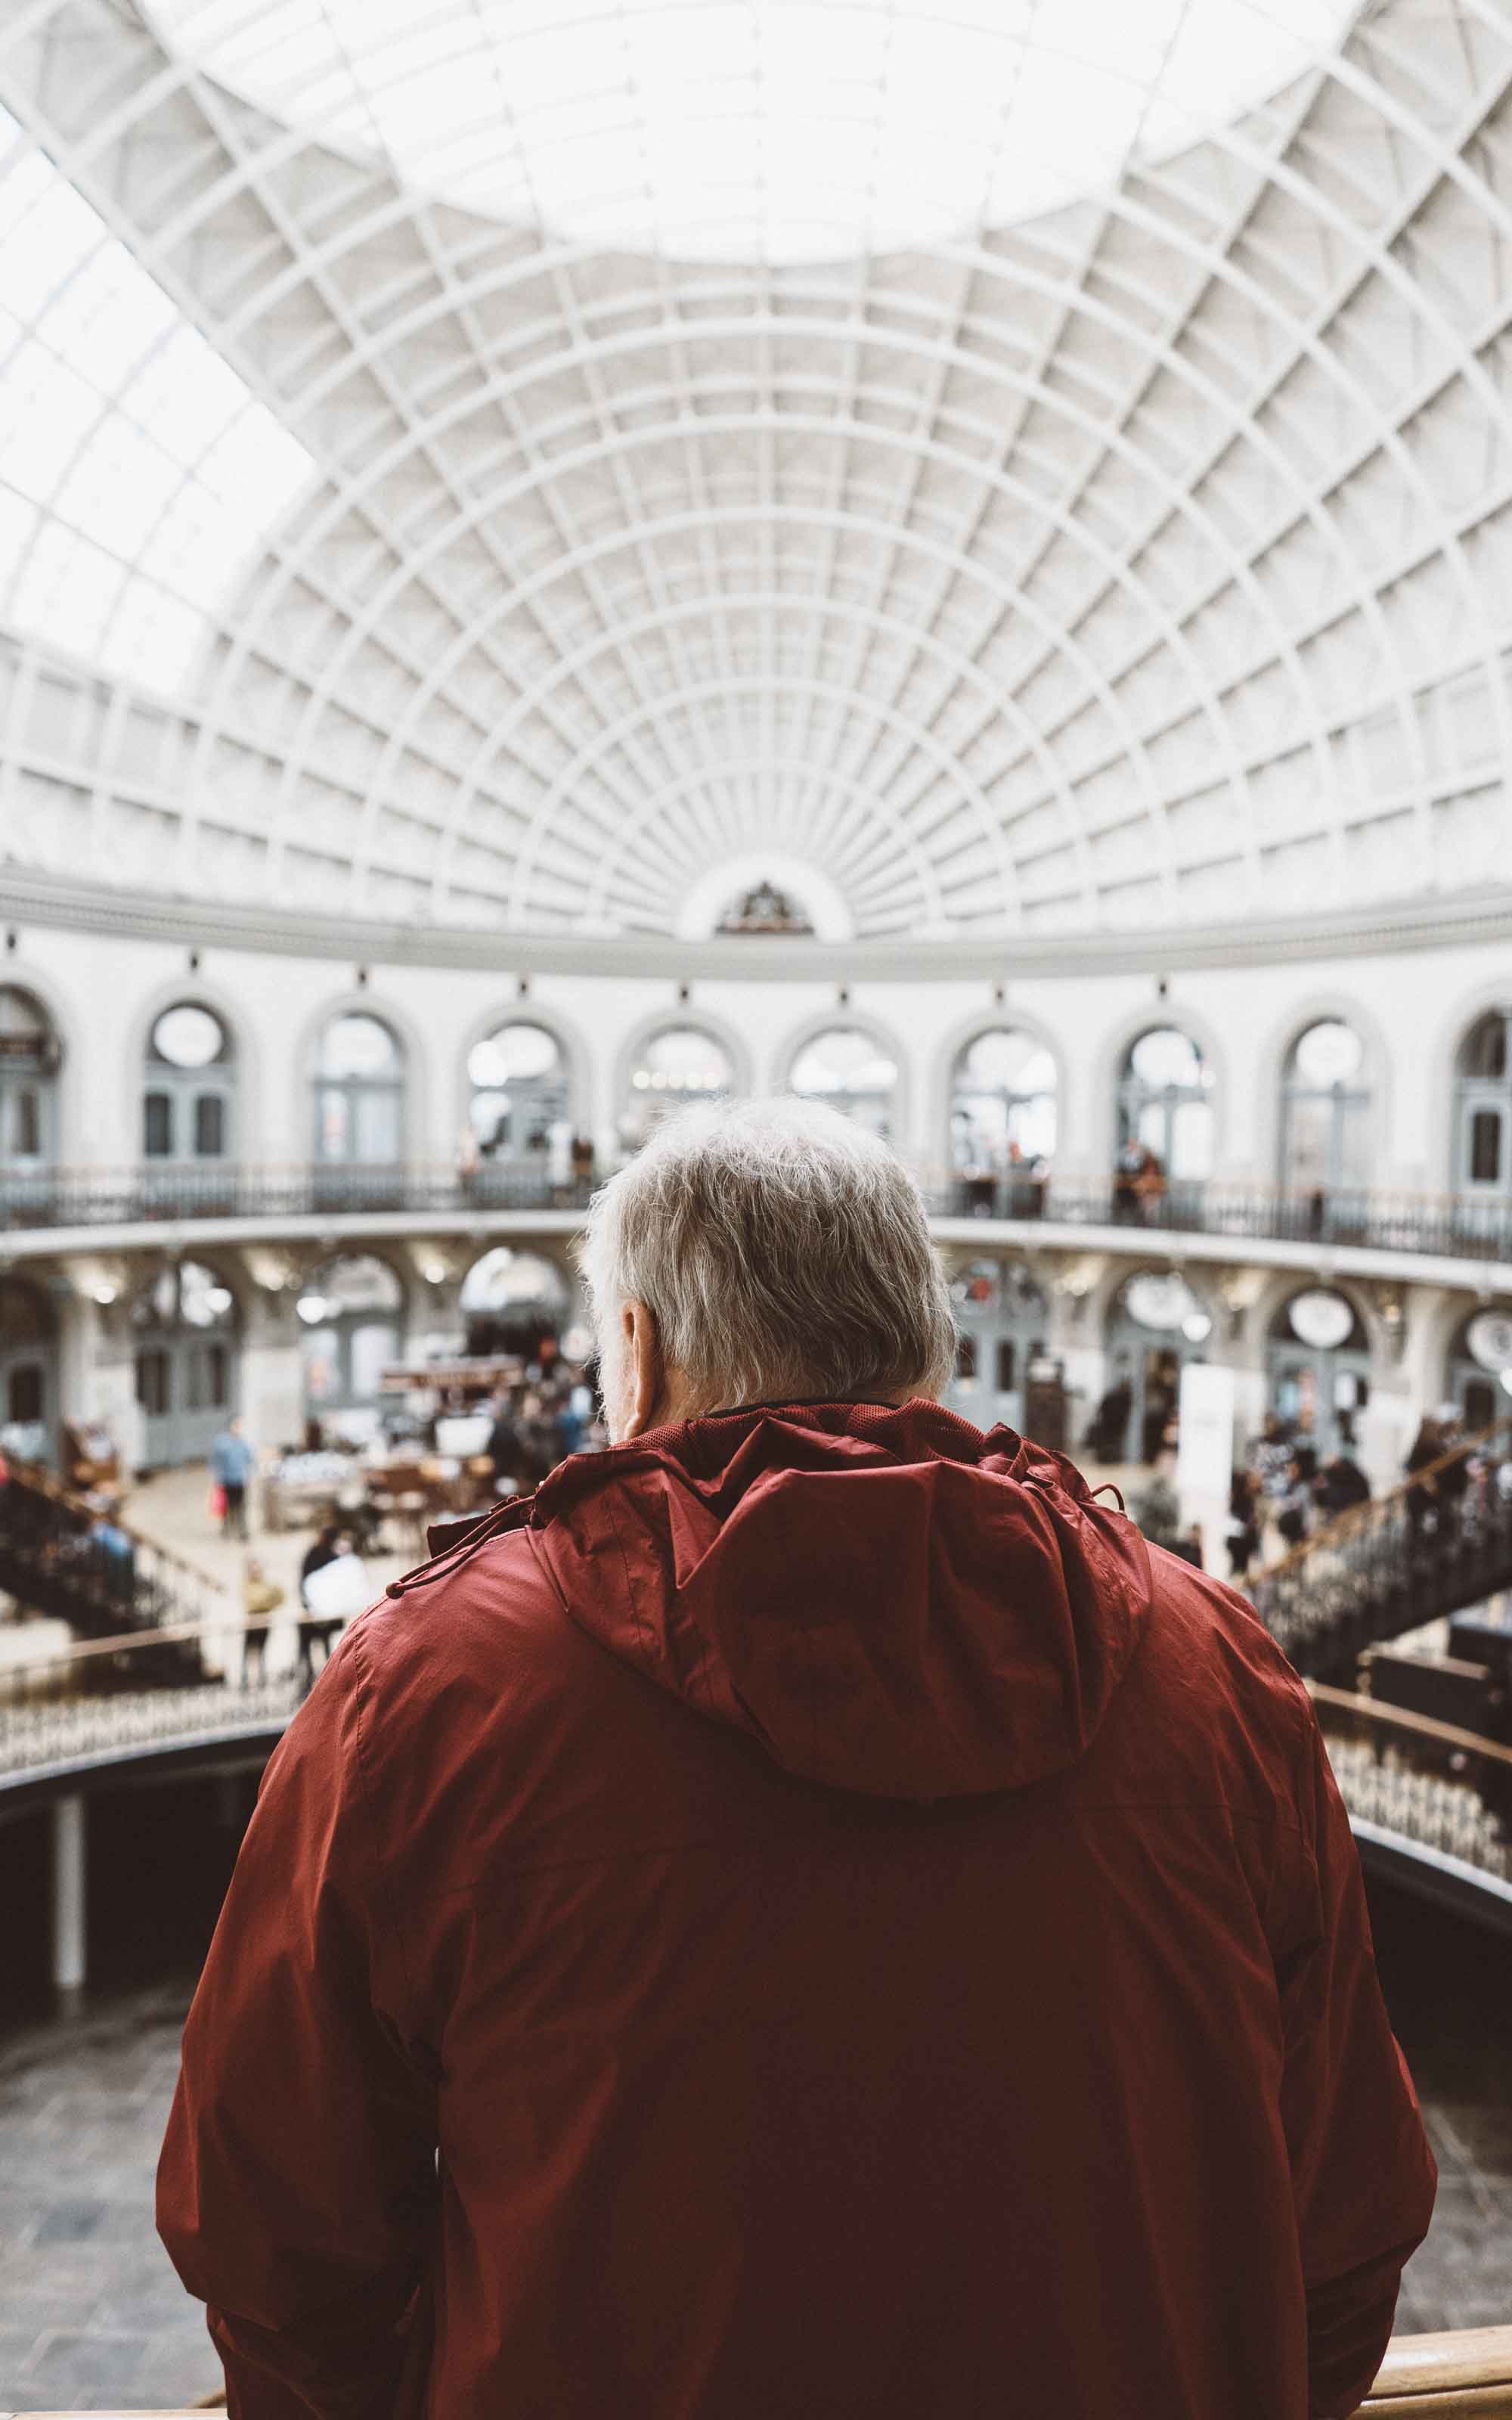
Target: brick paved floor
x,y
91,2314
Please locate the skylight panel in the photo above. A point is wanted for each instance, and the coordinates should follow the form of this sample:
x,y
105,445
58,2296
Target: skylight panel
x,y
778,129
137,471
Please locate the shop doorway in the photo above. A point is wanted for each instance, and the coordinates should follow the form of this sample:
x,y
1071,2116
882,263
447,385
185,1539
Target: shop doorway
x,y
188,1364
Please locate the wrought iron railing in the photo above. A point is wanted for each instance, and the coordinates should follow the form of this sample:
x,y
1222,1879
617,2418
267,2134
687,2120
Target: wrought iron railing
x,y
132,1694
1441,1541
62,1555
1430,1784
1466,1226
52,1198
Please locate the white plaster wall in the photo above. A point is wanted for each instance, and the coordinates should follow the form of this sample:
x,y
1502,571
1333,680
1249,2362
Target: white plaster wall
x,y
1412,1008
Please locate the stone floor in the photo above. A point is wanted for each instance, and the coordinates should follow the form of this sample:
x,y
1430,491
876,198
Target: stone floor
x,y
91,2316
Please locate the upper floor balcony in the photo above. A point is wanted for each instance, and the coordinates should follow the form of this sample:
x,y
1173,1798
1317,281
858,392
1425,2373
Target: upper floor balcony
x,y
56,1209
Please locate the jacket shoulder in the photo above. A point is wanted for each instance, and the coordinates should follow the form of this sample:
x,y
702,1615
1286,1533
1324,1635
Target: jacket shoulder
x,y
1212,1701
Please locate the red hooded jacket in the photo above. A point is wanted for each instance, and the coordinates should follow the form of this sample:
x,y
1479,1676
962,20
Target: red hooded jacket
x,y
807,1914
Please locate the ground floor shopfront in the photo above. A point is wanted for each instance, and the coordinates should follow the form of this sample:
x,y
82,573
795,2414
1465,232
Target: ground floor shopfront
x,y
159,1347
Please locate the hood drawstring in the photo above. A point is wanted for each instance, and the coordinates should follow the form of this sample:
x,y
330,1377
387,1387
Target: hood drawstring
x,y
488,1525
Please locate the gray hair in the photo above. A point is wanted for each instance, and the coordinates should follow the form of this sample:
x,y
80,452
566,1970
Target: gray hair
x,y
784,1252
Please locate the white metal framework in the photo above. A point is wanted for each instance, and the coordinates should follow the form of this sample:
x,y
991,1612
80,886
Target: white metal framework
x,y
1145,561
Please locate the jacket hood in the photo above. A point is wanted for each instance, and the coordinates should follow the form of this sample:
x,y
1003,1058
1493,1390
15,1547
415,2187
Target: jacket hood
x,y
887,1600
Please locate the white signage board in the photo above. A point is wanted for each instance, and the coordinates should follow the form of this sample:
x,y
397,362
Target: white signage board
x,y
1205,1448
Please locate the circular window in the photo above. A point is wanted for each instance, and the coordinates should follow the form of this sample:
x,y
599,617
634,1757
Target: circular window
x,y
682,1058
1489,1340
1007,1061
1163,1302
1321,1320
1167,1060
358,1046
188,1036
514,1055
1329,1053
842,1061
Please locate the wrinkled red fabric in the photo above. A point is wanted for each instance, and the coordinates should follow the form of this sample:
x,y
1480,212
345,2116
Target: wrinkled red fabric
x,y
807,1914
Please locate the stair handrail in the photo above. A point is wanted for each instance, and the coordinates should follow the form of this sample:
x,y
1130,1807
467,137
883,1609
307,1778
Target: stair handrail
x,y
1373,1511
32,1475
1426,1728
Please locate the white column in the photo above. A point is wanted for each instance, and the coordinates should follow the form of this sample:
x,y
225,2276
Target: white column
x,y
69,1877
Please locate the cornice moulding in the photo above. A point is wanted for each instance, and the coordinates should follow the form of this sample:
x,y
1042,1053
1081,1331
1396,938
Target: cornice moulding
x,y
1483,917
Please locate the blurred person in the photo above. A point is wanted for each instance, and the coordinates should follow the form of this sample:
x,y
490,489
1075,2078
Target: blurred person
x,y
1452,1480
260,1599
812,1914
505,1448
114,1546
1294,1510
1149,1187
1242,1534
1339,1486
1107,1439
233,1460
1128,1167
1422,1495
568,1424
333,1592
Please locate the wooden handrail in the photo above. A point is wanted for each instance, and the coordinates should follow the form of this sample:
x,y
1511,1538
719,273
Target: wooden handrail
x,y
1399,1719
1361,1516
1464,2374
167,1634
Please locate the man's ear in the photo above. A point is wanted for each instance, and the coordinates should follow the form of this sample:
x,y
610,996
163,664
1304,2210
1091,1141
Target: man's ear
x,y
645,1371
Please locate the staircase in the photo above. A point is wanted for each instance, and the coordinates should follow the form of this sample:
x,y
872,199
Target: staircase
x,y
1440,1541
57,1557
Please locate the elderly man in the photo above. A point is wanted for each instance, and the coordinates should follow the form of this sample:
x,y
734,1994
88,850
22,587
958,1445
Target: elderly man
x,y
807,1914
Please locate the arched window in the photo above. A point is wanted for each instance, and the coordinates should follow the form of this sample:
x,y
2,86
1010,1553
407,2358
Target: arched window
x,y
1156,1323
190,1092
1002,1320
352,1315
359,1094
1165,1104
511,1301
519,1101
29,1057
29,1372
1325,1115
1317,1360
853,1073
188,1375
1003,1104
1479,1372
676,1064
1483,1142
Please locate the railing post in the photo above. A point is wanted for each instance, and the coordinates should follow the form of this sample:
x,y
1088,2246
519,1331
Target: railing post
x,y
70,1877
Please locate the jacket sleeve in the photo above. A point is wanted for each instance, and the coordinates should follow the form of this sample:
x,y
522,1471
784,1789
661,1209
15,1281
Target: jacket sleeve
x,y
1363,2174
297,2186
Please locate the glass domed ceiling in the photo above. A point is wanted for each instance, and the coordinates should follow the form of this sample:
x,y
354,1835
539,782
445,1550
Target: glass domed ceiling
x,y
781,130
1146,566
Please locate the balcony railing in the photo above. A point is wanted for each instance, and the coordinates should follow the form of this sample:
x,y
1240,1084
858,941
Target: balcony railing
x,y
1463,2375
112,1700
1465,1226
1473,1227
124,1197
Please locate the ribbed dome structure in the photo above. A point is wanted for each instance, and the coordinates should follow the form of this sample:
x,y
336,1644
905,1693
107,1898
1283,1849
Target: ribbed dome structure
x,y
1146,560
